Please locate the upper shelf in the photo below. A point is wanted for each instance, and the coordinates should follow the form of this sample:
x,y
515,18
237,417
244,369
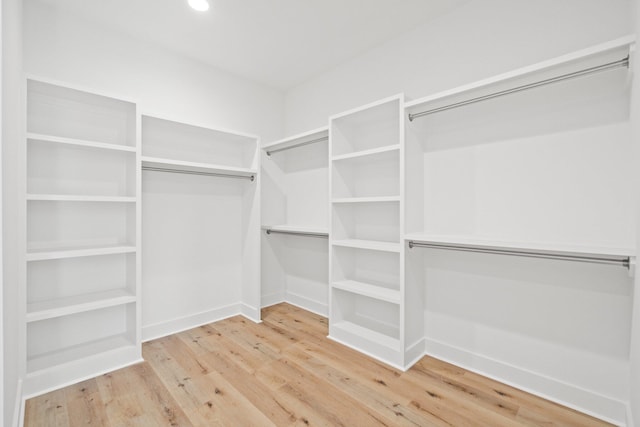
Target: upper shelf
x,y
299,140
615,51
155,163
78,142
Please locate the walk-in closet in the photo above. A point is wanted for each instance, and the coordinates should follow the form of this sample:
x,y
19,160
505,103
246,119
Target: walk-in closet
x,y
356,212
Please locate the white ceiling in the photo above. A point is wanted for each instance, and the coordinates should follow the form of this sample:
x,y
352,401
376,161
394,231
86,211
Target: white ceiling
x,y
281,43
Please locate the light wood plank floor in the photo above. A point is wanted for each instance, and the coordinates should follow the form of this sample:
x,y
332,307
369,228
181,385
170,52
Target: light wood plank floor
x,y
285,372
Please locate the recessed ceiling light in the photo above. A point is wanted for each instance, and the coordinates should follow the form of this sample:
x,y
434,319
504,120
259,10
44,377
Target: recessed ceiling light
x,y
199,5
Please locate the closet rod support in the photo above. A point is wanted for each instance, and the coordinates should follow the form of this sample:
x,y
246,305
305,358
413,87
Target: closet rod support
x,y
188,172
313,141
623,261
298,233
624,62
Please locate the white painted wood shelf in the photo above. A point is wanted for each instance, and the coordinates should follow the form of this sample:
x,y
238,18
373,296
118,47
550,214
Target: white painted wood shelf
x,y
79,198
345,328
43,310
42,255
319,231
366,153
102,348
377,199
205,168
369,244
79,142
298,140
369,290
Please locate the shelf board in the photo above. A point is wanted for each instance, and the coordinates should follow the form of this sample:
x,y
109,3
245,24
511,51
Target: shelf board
x,y
80,198
66,306
375,337
204,168
603,49
369,244
369,290
294,140
551,248
79,142
60,253
319,231
365,153
379,199
75,353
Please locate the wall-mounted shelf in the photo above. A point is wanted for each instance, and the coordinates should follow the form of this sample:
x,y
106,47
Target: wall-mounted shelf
x,y
296,229
78,198
369,290
381,199
368,244
79,142
300,140
366,153
75,253
168,165
43,310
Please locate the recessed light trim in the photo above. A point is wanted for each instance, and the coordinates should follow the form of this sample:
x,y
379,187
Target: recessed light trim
x,y
199,5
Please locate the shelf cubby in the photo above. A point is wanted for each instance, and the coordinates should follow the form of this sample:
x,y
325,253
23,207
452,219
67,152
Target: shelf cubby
x,y
65,113
373,221
60,340
372,176
197,146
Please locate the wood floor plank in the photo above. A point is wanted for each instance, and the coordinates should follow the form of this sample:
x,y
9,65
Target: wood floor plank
x,y
285,372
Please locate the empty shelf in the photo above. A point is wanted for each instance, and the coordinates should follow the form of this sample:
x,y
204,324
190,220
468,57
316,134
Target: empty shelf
x,y
378,199
369,244
372,291
155,163
353,329
365,153
42,255
79,198
96,348
78,142
66,306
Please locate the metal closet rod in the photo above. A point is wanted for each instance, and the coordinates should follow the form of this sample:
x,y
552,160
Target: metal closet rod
x,y
298,233
592,70
181,171
313,141
621,261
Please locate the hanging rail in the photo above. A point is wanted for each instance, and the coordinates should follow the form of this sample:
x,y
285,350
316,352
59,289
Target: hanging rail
x,y
188,172
298,233
624,261
300,144
592,70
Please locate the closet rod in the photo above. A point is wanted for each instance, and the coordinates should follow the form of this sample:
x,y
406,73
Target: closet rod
x,y
182,171
623,261
592,70
313,141
299,233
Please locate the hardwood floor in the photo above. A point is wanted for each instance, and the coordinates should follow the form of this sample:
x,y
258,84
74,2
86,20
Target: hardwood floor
x,y
285,372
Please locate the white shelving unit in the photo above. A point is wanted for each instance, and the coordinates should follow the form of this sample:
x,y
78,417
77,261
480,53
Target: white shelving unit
x,y
294,245
82,229
531,163
366,256
197,177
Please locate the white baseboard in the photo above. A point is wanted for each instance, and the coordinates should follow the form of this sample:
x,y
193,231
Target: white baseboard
x,y
251,313
308,304
162,329
414,353
571,396
629,416
272,299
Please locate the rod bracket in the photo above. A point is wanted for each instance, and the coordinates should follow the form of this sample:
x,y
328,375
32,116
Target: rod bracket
x,y
631,265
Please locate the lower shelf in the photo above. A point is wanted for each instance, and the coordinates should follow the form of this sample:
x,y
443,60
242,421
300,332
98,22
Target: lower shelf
x,y
375,344
369,290
77,304
77,353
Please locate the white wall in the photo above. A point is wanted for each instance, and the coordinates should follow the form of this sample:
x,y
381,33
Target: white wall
x,y
61,47
477,40
11,143
635,329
